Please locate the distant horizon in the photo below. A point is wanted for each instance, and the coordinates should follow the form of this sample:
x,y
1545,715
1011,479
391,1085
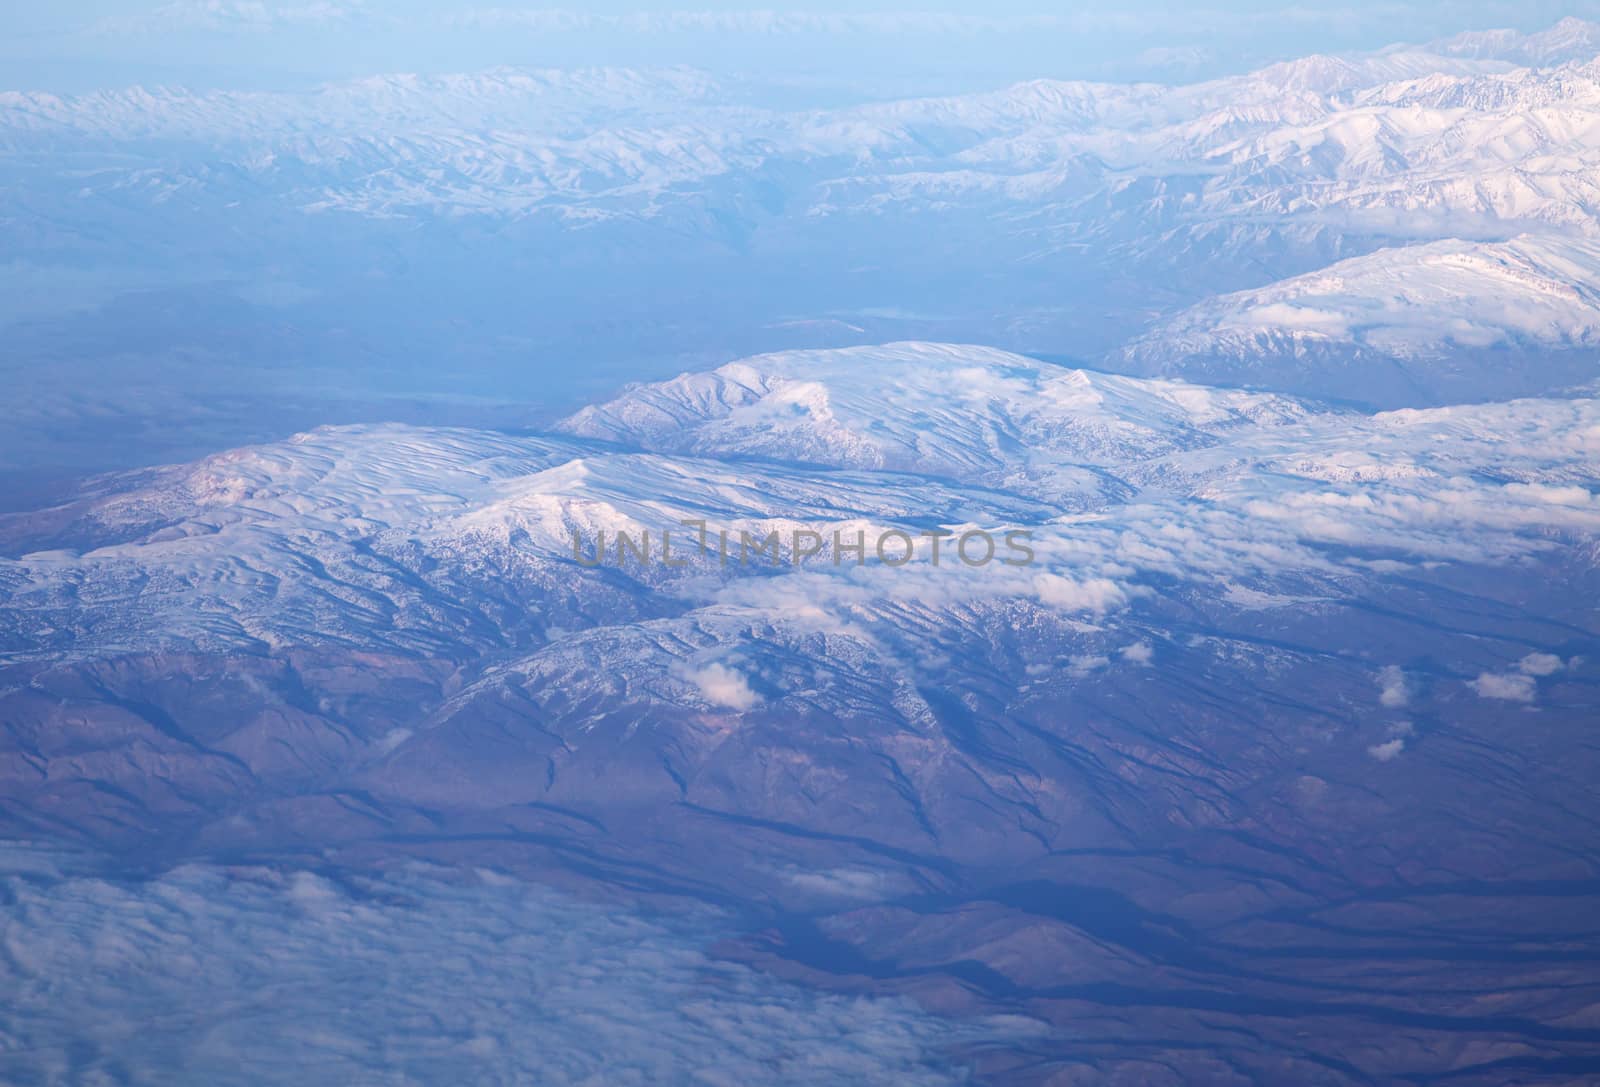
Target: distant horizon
x,y
810,54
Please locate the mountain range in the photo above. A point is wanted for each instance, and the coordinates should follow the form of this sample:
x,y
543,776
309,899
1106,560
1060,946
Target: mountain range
x,y
1279,746
1124,614
651,221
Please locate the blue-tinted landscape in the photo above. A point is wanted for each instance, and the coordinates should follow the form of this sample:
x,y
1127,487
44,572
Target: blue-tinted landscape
x,y
636,545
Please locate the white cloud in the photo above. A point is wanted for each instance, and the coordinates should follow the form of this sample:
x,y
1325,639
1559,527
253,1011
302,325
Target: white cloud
x,y
1387,750
860,884
412,978
1082,666
722,686
1138,653
1553,494
1509,687
1540,664
393,739
1098,595
1393,690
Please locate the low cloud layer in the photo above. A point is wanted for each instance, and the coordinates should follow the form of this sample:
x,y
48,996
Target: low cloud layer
x,y
421,977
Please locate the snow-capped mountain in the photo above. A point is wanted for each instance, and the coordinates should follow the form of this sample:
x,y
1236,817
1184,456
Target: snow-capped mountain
x,y
417,541
413,538
1569,39
540,100
1470,320
971,414
511,143
1198,686
1089,214
1250,627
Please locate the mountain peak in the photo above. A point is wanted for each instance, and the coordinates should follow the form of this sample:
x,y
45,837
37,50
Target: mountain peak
x,y
1571,38
953,411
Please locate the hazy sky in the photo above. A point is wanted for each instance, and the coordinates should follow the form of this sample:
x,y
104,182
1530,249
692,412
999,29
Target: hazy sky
x,y
864,48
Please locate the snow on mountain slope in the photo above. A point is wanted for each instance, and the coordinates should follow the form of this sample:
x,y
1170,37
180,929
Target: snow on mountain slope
x,y
1281,659
413,539
1471,155
970,413
1450,314
1324,75
1082,214
1274,514
1276,167
1569,39
543,100
1293,140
